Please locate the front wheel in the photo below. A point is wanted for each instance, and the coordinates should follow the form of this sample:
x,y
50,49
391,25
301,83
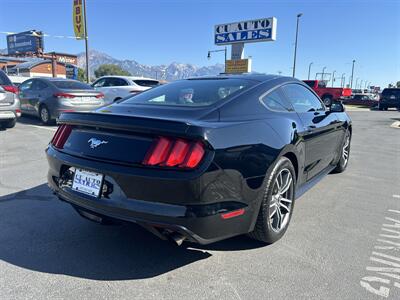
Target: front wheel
x,y
277,203
344,155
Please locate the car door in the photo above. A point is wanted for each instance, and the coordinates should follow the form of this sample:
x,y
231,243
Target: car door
x,y
25,94
321,129
39,94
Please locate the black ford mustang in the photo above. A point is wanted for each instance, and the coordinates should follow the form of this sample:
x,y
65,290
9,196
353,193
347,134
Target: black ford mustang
x,y
200,159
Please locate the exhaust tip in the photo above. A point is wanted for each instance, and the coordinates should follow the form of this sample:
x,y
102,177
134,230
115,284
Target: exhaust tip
x,y
176,238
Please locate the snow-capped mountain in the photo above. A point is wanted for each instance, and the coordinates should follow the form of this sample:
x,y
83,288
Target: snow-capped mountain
x,y
169,72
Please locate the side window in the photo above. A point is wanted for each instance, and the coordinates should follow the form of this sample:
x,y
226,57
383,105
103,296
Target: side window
x,y
26,85
38,85
120,82
99,83
302,99
275,101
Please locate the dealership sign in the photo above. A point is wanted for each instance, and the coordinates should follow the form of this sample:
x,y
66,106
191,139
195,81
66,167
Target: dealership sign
x,y
78,20
23,42
259,30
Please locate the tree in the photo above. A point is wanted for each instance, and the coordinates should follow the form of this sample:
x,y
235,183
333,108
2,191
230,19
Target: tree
x,y
109,69
81,75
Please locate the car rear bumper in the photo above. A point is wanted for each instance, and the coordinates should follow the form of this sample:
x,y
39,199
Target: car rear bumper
x,y
7,115
202,223
59,109
389,103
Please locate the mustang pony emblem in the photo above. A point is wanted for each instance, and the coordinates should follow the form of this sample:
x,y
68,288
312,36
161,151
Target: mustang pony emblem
x,y
94,143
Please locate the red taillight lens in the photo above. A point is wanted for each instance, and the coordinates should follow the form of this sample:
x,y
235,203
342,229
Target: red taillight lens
x,y
63,95
179,153
158,152
101,95
61,136
10,88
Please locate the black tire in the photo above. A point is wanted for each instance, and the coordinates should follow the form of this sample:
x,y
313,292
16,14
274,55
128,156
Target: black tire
x,y
327,100
343,162
10,123
264,230
43,110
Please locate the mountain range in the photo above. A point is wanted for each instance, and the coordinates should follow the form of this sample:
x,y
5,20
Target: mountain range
x,y
168,72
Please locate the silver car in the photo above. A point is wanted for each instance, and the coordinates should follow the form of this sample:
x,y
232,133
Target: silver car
x,y
9,102
47,98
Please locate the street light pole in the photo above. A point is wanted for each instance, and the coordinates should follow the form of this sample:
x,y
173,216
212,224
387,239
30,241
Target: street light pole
x,y
333,77
357,81
86,43
352,74
295,44
211,51
322,76
343,80
309,70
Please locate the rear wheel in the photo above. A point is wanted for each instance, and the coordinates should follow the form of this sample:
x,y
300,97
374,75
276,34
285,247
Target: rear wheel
x,y
327,99
344,155
44,115
277,204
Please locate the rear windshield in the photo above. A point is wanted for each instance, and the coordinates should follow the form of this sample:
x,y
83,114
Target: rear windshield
x,y
192,92
71,85
389,92
147,83
4,80
310,83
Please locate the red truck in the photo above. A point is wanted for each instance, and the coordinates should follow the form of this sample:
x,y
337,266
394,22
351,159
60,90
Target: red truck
x,y
326,93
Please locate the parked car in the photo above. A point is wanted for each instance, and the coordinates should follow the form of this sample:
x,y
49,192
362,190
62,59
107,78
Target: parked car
x,y
201,159
47,98
10,108
390,97
368,100
328,94
117,87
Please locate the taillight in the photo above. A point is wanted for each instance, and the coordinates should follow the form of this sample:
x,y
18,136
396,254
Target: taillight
x,y
10,88
61,136
180,153
63,95
101,95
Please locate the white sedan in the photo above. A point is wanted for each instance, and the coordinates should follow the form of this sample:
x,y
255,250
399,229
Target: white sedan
x,y
117,87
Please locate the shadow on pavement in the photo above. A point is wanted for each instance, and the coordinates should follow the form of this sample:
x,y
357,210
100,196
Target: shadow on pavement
x,y
31,120
41,233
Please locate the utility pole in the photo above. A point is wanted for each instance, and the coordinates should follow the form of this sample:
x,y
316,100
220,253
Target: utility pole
x,y
309,70
343,80
295,44
86,43
352,74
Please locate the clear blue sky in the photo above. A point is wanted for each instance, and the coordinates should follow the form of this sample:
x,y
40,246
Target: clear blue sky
x,y
332,33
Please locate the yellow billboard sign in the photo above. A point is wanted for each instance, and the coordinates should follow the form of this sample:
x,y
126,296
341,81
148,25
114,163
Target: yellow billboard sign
x,y
78,19
234,66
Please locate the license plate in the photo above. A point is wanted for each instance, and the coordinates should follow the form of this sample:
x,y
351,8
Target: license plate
x,y
86,99
87,182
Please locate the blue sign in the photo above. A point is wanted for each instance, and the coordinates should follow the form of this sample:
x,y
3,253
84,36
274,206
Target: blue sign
x,y
28,41
260,30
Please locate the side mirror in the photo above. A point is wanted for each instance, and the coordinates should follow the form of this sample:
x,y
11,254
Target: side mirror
x,y
2,90
337,107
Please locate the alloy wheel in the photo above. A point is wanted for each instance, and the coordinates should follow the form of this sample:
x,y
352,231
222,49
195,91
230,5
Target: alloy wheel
x,y
281,202
345,151
44,115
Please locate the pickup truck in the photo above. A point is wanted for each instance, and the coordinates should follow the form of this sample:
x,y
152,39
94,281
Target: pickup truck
x,y
328,94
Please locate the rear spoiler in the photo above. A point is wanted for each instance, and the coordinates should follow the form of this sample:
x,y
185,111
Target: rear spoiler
x,y
128,123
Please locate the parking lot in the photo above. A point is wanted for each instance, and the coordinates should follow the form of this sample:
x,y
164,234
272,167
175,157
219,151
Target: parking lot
x,y
336,247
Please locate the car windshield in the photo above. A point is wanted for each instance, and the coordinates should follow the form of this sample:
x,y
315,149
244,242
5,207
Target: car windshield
x,y
146,83
192,92
71,85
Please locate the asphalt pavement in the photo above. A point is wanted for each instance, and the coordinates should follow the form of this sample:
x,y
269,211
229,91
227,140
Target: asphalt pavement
x,y
343,241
